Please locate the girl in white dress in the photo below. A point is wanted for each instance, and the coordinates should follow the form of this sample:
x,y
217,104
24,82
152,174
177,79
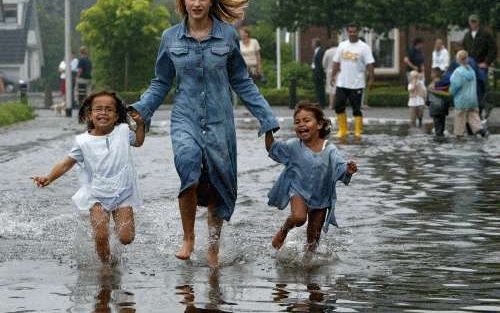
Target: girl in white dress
x,y
107,177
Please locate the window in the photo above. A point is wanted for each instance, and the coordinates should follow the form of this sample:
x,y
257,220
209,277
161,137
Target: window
x,y
10,13
385,50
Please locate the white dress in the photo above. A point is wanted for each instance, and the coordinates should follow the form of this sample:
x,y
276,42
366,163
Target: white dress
x,y
107,173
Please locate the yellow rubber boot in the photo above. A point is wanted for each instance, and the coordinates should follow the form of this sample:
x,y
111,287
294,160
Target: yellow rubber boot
x,y
358,126
342,123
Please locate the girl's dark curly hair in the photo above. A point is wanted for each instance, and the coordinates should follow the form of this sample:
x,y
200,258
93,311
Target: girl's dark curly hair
x,y
86,108
318,115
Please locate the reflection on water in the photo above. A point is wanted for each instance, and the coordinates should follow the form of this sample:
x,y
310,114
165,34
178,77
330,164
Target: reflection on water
x,y
419,232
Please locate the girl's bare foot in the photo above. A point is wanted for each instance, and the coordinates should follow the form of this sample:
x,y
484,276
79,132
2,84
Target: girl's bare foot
x,y
185,252
279,239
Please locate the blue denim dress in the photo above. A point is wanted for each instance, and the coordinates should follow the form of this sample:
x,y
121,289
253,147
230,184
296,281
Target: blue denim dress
x,y
202,122
310,175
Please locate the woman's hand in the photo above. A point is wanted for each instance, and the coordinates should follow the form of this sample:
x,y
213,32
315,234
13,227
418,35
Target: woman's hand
x,y
352,167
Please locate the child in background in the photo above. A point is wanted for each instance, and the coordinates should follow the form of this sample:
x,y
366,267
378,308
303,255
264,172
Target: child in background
x,y
417,95
108,176
437,102
313,167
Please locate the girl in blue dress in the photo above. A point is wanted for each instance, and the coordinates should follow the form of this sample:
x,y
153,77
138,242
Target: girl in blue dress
x,y
312,167
202,54
107,174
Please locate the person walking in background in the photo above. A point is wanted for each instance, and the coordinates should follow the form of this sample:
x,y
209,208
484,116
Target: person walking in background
x,y
480,46
415,58
250,51
328,67
319,76
417,95
440,56
351,61
83,75
62,75
463,89
438,105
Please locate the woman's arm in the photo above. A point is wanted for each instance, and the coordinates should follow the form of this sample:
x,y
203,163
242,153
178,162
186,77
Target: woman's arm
x,y
57,171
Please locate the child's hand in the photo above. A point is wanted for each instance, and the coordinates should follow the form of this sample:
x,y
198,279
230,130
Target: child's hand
x,y
136,116
352,167
41,181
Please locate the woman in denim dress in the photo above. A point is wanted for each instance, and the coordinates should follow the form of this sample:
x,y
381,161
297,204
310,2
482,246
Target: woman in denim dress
x,y
202,54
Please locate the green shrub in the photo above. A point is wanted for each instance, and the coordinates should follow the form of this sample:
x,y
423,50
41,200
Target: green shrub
x,y
388,97
280,97
14,112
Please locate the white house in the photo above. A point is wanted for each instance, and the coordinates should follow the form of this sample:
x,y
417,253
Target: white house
x,y
21,54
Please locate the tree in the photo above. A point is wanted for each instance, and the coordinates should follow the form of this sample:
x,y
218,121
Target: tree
x,y
123,38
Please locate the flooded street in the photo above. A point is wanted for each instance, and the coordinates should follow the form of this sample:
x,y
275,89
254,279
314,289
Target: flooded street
x,y
419,231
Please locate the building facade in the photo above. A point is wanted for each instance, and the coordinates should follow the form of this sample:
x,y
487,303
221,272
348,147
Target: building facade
x,y
21,53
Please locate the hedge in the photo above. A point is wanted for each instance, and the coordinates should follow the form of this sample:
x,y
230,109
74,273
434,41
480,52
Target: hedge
x,y
14,112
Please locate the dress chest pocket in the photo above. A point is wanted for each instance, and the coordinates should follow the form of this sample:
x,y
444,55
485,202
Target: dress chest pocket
x,y
218,56
181,57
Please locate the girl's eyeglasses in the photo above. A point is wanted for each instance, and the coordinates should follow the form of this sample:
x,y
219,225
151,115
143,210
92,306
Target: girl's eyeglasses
x,y
103,110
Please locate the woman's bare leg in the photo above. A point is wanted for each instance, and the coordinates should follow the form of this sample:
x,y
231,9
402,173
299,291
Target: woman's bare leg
x,y
187,206
214,230
296,219
124,224
99,219
316,220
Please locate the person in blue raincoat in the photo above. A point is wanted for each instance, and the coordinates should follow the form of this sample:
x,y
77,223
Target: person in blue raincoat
x,y
463,89
202,54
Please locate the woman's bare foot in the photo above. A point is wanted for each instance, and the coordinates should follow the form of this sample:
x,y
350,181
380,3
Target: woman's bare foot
x,y
279,239
185,251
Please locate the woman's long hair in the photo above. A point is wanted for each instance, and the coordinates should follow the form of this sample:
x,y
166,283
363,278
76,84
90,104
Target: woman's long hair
x,y
225,10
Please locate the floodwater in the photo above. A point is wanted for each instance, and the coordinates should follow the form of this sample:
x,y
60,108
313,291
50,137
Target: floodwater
x,y
419,232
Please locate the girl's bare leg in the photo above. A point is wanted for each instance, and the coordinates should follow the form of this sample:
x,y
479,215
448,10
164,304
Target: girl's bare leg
x,y
187,206
124,224
214,230
316,220
296,219
99,219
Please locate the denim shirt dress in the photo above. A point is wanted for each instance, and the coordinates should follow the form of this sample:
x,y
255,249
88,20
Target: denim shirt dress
x,y
308,174
202,122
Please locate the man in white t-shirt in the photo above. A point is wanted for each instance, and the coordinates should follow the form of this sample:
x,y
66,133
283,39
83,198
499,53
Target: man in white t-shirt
x,y
352,59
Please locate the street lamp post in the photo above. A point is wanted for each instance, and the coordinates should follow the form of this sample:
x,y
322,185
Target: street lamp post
x,y
67,57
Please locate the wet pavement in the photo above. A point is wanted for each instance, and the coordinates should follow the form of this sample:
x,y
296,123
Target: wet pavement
x,y
419,230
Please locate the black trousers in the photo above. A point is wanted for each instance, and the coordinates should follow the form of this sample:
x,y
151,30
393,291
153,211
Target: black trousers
x,y
354,96
439,125
319,88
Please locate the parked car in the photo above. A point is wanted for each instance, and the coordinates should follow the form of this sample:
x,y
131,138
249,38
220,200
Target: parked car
x,y
11,84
